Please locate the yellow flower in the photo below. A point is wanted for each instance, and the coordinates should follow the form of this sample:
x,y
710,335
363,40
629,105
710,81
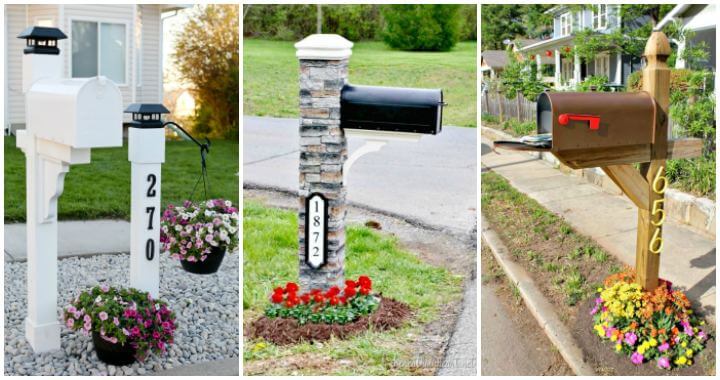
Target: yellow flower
x,y
702,323
689,353
689,362
618,347
613,337
259,346
681,360
683,344
599,290
641,350
653,342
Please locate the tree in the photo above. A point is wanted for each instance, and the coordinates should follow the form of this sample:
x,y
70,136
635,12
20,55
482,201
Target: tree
x,y
207,56
499,22
429,27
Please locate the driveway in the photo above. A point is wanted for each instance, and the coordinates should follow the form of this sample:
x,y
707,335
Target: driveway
x,y
433,180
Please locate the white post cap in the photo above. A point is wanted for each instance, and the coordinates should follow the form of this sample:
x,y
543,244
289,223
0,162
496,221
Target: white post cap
x,y
324,47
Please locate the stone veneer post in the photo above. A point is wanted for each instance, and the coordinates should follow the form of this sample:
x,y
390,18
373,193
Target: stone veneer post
x,y
323,149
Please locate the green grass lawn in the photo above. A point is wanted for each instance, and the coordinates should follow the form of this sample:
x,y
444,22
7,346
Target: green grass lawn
x,y
270,249
271,70
101,189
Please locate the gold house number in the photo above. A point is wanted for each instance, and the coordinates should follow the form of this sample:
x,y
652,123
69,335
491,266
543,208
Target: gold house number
x,y
656,243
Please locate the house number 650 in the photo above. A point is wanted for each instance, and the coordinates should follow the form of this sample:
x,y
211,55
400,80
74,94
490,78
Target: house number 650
x,y
656,243
150,243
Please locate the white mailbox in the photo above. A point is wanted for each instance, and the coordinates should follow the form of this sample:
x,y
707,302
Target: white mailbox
x,y
79,112
65,118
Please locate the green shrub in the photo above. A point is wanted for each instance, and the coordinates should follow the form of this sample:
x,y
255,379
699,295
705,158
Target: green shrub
x,y
468,29
518,128
599,83
292,22
426,27
487,118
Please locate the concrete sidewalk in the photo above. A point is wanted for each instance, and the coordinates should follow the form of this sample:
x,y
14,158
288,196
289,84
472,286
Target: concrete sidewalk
x,y
433,180
75,238
688,258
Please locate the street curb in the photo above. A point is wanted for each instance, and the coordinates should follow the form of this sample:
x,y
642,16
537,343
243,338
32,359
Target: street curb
x,y
540,307
470,235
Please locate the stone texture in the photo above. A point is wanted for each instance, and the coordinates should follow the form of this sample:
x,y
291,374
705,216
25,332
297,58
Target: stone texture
x,y
323,151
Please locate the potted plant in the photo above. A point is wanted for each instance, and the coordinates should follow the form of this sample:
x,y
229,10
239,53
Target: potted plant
x,y
126,324
199,234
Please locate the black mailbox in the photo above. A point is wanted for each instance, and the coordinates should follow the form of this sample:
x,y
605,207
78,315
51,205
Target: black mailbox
x,y
393,109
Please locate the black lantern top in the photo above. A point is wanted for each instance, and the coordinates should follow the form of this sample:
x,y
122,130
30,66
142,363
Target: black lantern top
x,y
41,40
146,115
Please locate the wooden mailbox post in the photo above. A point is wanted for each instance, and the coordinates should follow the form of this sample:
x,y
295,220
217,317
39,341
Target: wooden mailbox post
x,y
613,131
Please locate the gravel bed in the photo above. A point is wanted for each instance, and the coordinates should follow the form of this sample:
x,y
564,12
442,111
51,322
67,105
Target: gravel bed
x,y
206,308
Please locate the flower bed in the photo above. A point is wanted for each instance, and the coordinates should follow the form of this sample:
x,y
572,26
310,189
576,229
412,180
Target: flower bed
x,y
657,326
332,307
123,317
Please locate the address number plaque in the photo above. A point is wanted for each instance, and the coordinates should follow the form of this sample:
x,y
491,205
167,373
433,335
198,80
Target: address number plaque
x,y
316,230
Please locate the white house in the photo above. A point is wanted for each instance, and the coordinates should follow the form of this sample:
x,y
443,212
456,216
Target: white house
x,y
122,42
700,19
569,71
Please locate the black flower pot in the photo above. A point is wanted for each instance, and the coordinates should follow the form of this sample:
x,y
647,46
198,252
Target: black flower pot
x,y
113,353
210,265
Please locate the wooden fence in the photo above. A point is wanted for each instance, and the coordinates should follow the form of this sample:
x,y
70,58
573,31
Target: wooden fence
x,y
503,108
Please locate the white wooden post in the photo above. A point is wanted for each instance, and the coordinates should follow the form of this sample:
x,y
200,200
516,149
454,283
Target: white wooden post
x,y
65,119
538,62
577,71
558,67
146,153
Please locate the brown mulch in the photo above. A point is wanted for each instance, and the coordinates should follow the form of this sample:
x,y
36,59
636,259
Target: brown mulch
x,y
283,331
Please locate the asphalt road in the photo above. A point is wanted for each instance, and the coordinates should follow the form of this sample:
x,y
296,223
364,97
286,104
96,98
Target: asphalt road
x,y
433,180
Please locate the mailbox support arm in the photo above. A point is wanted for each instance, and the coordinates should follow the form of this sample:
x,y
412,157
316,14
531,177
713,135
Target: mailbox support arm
x,y
368,147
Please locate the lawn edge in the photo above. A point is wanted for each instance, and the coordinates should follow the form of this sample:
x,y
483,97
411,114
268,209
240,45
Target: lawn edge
x,y
538,305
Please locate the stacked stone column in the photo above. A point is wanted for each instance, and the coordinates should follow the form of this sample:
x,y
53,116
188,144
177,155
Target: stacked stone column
x,y
323,150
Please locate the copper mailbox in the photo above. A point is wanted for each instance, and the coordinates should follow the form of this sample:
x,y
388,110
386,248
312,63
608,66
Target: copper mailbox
x,y
592,129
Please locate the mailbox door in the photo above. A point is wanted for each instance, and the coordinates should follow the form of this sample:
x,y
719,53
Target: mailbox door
x,y
391,109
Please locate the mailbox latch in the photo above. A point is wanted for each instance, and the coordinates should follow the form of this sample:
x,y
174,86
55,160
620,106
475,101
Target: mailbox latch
x,y
565,118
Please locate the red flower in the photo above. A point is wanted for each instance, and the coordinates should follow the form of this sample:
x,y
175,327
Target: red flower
x,y
332,292
548,53
334,301
343,300
315,291
350,284
278,290
567,49
305,298
365,282
318,298
350,291
291,287
292,297
277,297
364,291
289,303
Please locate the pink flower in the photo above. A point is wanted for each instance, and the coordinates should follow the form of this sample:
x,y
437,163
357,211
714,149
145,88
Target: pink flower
x,y
87,326
191,259
103,316
71,309
663,362
630,338
126,332
77,314
104,288
637,358
87,318
116,321
664,347
70,323
135,331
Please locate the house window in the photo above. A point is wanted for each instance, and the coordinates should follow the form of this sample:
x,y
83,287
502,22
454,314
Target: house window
x,y
602,65
600,16
566,21
98,48
568,70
